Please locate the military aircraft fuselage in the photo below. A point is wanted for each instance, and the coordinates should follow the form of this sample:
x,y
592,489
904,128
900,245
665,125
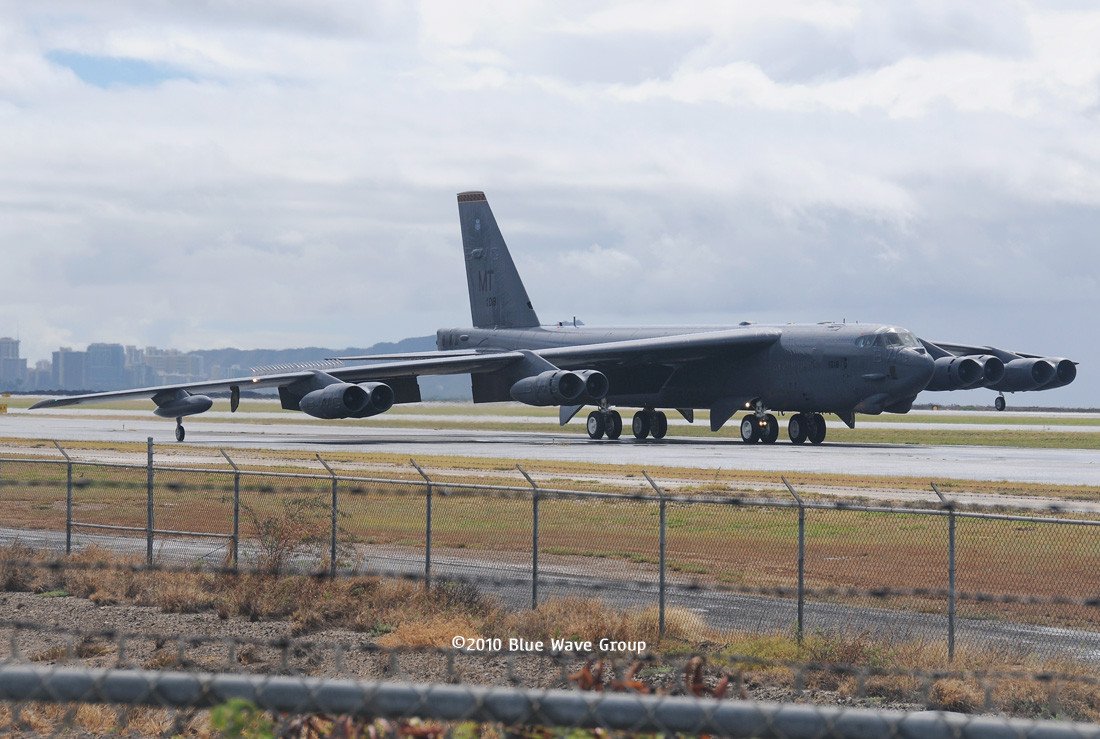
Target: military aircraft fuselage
x,y
835,367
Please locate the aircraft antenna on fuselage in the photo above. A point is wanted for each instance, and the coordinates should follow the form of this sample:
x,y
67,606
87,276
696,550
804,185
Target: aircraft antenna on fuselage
x,y
498,298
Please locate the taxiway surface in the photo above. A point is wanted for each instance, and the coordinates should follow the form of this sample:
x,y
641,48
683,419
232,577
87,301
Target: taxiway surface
x,y
1044,466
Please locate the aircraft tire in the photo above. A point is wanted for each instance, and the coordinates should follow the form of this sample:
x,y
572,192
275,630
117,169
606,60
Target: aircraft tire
x,y
770,432
658,426
750,430
796,429
817,429
180,433
999,403
614,425
640,424
595,425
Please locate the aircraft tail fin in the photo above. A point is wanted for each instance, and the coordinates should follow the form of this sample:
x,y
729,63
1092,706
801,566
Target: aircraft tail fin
x,y
497,296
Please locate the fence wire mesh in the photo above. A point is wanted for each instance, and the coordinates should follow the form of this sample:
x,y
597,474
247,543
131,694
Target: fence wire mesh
x,y
730,563
66,681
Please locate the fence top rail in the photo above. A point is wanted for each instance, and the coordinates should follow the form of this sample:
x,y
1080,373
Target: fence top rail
x,y
443,488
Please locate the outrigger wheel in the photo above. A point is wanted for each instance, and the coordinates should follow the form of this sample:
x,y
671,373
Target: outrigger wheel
x,y
180,433
999,403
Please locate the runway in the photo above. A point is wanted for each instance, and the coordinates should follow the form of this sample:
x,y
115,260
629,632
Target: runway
x,y
1043,466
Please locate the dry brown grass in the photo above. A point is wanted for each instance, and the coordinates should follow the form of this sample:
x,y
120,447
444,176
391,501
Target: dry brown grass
x,y
954,694
402,613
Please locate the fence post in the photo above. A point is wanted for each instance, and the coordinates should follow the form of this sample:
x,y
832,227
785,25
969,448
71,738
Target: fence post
x,y
335,510
427,524
68,498
235,540
950,506
534,538
149,501
660,556
801,560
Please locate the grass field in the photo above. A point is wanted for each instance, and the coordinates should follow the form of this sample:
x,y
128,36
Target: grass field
x,y
741,546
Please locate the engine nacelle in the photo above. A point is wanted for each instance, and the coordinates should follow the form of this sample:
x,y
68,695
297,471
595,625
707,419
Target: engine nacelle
x,y
1065,372
179,403
1027,374
339,400
955,373
993,369
560,387
595,384
381,399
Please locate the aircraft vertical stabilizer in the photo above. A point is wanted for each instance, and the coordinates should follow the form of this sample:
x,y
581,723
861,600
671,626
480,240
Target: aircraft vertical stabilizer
x,y
497,296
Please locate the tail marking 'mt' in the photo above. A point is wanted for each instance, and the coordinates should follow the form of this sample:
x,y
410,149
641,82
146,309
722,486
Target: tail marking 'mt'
x,y
497,296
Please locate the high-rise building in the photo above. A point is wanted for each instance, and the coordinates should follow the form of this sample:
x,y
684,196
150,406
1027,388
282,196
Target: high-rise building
x,y
9,348
41,376
68,370
105,367
13,369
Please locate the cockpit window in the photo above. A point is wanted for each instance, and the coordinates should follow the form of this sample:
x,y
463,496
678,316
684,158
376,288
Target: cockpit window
x,y
893,336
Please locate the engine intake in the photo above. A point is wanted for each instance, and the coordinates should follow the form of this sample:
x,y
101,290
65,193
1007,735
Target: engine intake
x,y
381,399
993,369
560,387
347,400
1027,374
956,373
1065,372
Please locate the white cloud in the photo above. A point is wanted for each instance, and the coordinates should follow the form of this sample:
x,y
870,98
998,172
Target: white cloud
x,y
934,164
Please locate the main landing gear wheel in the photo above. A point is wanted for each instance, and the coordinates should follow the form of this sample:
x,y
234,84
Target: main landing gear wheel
x,y
595,425
640,424
817,428
613,425
180,433
999,403
750,430
658,426
797,428
770,431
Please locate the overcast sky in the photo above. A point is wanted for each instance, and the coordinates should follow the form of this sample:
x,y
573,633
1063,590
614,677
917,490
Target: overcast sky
x,y
275,173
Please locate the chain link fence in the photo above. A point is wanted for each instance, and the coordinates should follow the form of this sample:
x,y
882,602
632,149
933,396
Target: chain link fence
x,y
739,564
69,682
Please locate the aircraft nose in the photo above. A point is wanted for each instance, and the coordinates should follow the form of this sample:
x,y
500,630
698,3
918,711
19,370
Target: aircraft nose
x,y
919,369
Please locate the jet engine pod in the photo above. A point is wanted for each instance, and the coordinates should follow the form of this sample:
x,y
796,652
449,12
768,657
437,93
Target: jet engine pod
x,y
955,373
179,403
339,400
552,387
1026,374
993,369
595,384
1065,372
381,399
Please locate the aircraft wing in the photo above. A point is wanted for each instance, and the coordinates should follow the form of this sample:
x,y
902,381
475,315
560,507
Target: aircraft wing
x,y
445,365
676,349
671,349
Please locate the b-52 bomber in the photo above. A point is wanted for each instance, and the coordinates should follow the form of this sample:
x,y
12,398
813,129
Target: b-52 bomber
x,y
805,370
